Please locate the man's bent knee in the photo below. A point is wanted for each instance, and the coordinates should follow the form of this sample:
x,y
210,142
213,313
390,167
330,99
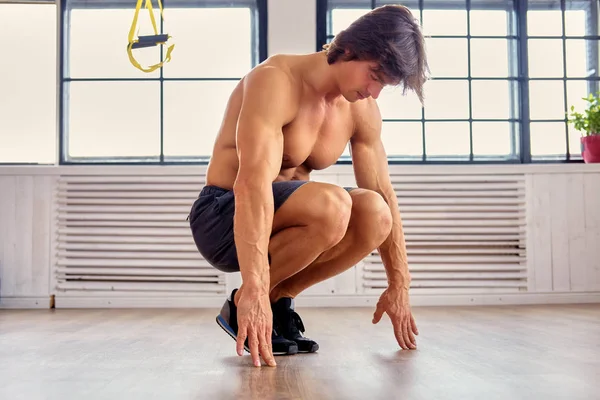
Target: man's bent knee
x,y
341,205
323,206
335,210
372,216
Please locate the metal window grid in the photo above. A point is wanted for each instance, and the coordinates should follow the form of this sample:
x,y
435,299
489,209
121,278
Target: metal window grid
x,y
258,45
517,39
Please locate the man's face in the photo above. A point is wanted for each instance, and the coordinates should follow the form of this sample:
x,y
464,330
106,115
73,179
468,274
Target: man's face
x,y
360,80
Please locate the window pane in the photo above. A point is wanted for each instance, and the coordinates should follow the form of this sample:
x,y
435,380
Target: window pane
x,y
341,18
489,23
114,119
447,99
574,142
545,58
28,83
394,105
97,44
579,63
193,113
489,58
403,139
575,22
548,139
445,22
447,57
195,30
447,139
491,99
492,139
544,22
546,100
576,92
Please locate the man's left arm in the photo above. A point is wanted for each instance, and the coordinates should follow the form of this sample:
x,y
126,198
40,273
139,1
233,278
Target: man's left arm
x,y
370,164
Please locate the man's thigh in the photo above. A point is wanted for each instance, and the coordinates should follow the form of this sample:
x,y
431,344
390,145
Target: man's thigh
x,y
308,203
212,217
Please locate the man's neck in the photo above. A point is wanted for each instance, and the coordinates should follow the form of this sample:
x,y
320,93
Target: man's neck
x,y
321,76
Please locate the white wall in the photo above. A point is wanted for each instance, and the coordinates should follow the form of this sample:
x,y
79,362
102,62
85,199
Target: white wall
x,y
25,238
562,203
563,230
562,233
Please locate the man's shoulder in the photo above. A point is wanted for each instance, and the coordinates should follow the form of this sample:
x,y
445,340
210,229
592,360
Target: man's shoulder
x,y
273,75
269,75
271,91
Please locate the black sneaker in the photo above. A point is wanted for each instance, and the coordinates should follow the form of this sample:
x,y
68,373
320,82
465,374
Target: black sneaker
x,y
227,319
291,326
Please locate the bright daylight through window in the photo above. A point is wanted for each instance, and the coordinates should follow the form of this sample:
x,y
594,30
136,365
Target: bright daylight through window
x,y
480,103
28,83
504,75
115,112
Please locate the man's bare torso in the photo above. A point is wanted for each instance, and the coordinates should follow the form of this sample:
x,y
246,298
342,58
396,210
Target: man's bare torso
x,y
315,138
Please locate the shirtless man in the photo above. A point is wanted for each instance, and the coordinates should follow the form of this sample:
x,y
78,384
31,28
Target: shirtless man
x,y
260,214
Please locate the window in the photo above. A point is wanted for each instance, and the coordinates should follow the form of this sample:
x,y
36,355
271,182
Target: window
x,y
563,68
28,83
115,113
499,92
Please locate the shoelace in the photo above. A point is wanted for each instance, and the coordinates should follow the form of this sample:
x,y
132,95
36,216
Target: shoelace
x,y
295,323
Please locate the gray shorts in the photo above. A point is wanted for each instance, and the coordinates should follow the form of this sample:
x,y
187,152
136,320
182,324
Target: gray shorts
x,y
211,222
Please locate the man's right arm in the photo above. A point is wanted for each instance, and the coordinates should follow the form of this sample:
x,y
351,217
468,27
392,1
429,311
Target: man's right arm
x,y
268,104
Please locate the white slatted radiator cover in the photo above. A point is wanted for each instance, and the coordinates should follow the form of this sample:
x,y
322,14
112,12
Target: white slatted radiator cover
x,y
464,234
128,235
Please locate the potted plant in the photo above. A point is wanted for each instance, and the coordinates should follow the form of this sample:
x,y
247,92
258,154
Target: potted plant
x,y
588,124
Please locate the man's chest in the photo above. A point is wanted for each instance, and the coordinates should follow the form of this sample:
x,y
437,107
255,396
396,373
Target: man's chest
x,y
316,138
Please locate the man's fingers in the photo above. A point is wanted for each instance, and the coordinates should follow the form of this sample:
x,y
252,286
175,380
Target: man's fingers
x,y
378,313
267,349
253,344
404,333
404,328
241,338
413,325
408,336
399,337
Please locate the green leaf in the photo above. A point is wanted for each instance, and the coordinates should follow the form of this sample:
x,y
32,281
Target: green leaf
x,y
588,122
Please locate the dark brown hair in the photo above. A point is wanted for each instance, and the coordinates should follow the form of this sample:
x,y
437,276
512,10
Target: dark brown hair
x,y
390,35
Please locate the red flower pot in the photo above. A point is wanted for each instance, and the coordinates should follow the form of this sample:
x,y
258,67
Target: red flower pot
x,y
590,148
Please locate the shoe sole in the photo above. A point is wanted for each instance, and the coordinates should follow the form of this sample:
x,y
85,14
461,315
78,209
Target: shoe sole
x,y
225,326
313,349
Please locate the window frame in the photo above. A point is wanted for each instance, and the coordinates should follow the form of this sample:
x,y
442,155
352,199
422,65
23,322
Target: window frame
x,y
259,43
522,119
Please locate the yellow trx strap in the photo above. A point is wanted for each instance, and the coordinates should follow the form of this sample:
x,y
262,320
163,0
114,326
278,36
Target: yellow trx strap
x,y
147,41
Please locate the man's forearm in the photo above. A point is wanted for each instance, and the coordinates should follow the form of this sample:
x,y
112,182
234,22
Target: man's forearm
x,y
393,249
253,221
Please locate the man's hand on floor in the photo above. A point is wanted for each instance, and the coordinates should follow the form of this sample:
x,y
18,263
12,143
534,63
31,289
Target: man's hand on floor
x,y
394,301
255,322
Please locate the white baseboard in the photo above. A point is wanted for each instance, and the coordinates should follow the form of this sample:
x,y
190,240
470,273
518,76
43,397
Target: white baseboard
x,y
155,301
24,302
333,301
